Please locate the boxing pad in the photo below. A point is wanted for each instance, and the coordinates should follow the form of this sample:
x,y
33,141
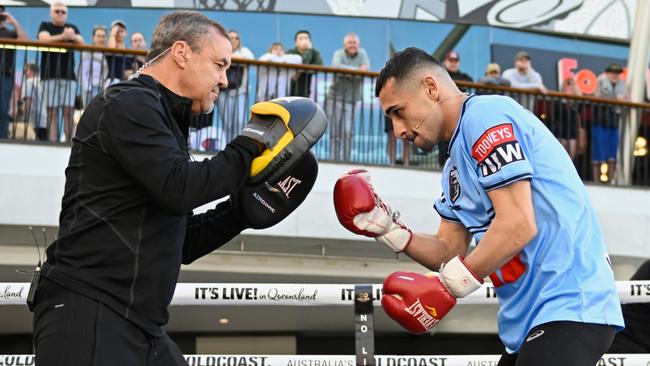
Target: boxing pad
x,y
306,123
269,202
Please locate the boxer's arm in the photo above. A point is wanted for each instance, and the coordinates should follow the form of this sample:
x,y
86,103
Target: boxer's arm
x,y
512,228
431,251
208,231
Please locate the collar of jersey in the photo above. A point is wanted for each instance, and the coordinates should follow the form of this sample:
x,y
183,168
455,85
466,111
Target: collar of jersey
x,y
460,119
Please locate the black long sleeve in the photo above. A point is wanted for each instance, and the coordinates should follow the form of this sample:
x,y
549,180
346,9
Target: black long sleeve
x,y
208,231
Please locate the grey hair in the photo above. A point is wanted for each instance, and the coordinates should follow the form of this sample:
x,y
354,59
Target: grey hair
x,y
188,26
57,3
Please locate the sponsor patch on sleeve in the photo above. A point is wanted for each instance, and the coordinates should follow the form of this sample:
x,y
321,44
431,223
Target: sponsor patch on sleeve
x,y
497,147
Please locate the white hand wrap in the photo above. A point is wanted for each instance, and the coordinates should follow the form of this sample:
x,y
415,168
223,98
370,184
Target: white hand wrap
x,y
459,279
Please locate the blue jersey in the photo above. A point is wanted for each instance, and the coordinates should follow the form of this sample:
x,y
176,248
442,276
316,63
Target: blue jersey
x,y
563,273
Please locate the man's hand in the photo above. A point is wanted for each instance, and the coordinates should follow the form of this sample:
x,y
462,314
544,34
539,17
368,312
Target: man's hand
x,y
418,302
360,210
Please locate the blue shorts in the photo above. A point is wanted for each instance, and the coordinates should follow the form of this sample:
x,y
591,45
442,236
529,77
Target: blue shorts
x,y
604,143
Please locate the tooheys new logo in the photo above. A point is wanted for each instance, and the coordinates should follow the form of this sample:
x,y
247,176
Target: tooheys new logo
x,y
496,147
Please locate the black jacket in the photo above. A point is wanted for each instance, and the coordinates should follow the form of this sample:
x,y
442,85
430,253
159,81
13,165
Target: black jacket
x,y
126,223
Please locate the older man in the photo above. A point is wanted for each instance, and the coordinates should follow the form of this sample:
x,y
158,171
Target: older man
x,y
343,95
126,221
57,70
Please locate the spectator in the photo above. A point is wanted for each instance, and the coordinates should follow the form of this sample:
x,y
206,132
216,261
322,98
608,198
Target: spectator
x,y
272,81
232,101
31,94
606,122
7,65
345,92
93,69
563,119
57,71
138,43
493,77
392,145
452,64
301,84
118,64
525,77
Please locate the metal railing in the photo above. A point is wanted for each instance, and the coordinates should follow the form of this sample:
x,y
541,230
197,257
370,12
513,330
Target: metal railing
x,y
46,101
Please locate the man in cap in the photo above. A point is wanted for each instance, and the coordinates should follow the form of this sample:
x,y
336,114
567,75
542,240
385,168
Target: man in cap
x,y
525,77
605,124
452,64
493,76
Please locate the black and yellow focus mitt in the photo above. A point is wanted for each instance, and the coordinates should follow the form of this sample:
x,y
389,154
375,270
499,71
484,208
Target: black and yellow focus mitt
x,y
288,127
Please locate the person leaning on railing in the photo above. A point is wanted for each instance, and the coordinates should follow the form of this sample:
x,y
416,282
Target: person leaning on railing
x,y
301,84
272,81
606,122
118,64
57,71
7,65
345,92
232,101
34,111
93,68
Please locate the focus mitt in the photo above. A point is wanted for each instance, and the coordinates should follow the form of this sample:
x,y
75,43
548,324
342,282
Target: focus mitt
x,y
305,122
269,202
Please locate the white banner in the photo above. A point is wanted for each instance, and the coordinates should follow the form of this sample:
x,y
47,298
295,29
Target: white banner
x,y
302,294
309,360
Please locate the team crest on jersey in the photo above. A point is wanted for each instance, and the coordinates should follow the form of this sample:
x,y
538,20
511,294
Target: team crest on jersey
x,y
497,147
454,185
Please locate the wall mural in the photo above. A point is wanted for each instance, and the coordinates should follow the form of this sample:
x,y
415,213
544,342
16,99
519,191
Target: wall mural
x,y
606,18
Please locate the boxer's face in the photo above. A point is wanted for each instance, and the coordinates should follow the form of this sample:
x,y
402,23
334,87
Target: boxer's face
x,y
412,106
204,71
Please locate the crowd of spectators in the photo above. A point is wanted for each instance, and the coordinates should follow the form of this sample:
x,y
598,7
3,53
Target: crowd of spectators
x,y
52,88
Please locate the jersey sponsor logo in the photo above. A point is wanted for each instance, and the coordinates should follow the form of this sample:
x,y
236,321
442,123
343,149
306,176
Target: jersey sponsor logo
x,y
497,147
288,184
454,185
537,334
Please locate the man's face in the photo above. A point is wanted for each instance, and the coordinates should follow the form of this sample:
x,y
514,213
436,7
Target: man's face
x,y
138,42
59,14
414,111
452,64
235,40
351,45
120,33
205,72
99,39
614,77
522,64
303,41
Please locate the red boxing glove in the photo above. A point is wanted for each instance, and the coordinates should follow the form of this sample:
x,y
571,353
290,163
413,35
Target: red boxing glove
x,y
418,302
415,301
360,210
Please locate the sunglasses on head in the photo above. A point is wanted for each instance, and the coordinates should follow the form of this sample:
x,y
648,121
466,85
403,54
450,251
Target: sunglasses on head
x,y
60,11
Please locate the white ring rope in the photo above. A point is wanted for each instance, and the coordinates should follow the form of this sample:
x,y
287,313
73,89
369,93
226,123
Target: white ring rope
x,y
314,360
15,293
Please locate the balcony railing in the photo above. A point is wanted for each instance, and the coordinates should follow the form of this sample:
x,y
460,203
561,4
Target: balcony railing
x,y
53,82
